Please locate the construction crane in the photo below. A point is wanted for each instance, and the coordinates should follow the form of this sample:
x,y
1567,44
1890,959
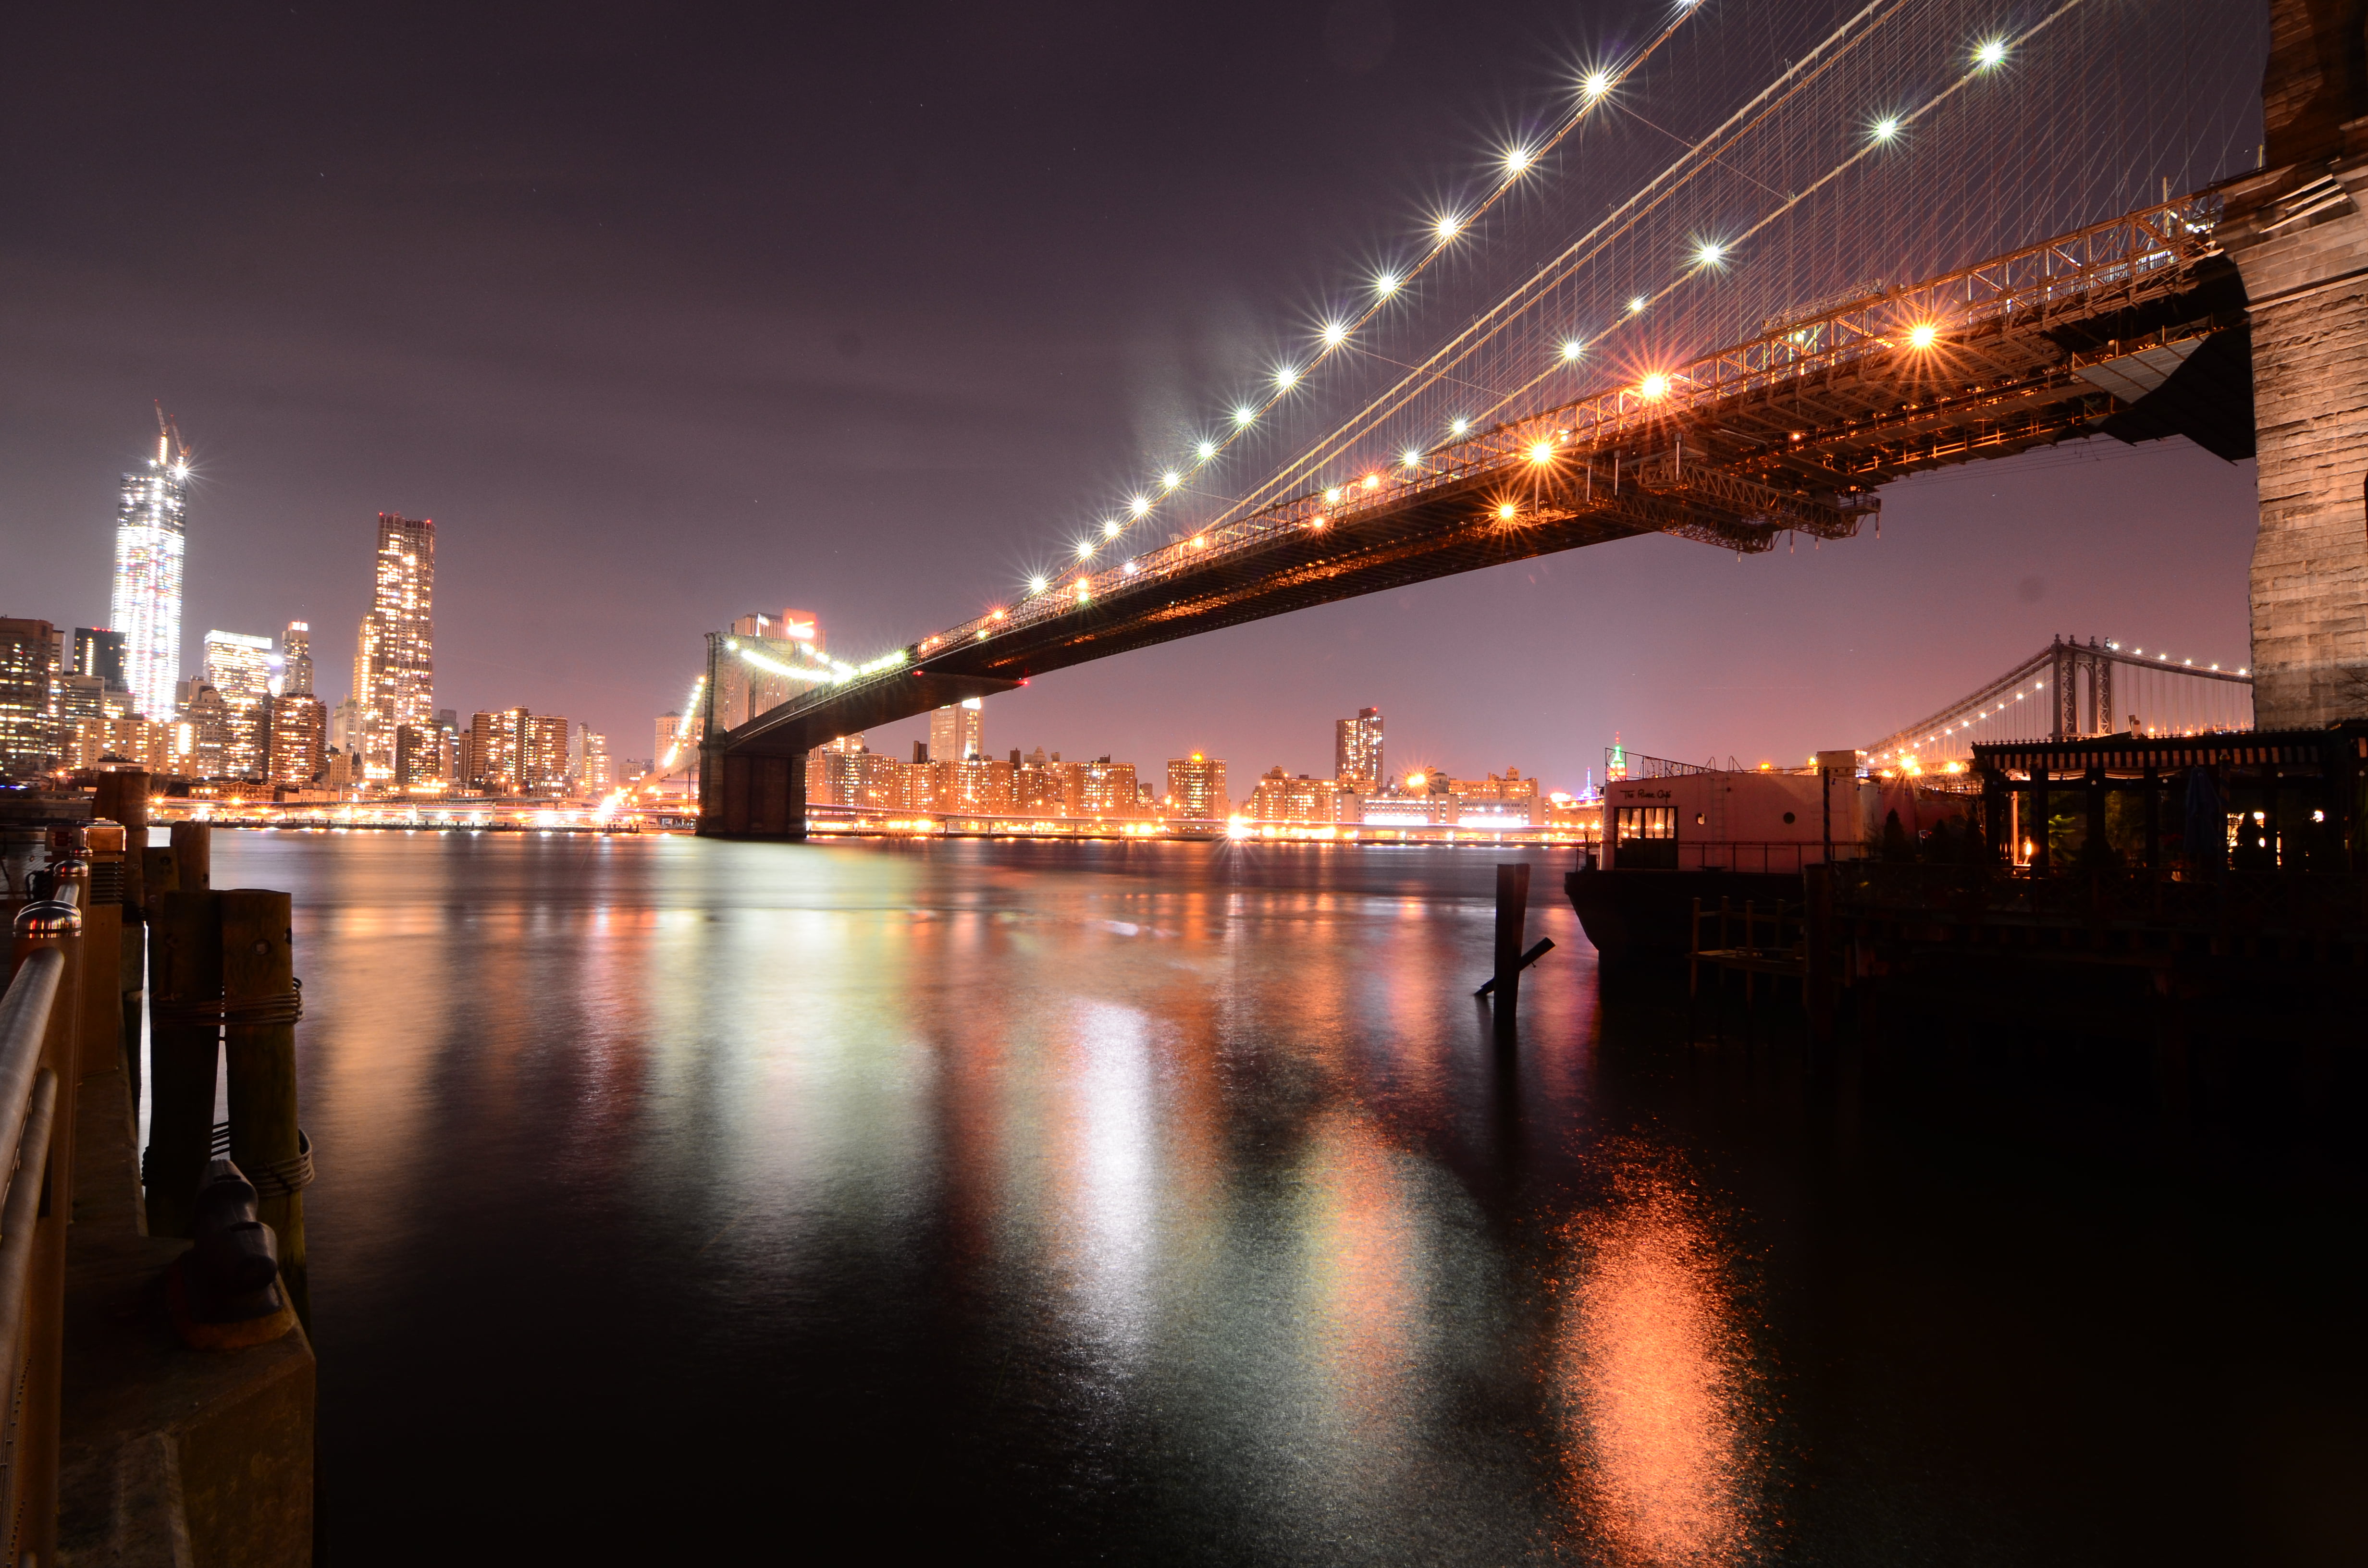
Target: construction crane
x,y
169,437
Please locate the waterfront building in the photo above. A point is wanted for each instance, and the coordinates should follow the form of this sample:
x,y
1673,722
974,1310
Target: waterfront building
x,y
845,772
590,760
1035,785
238,666
972,784
673,758
343,720
957,733
1278,797
419,760
151,519
208,718
99,652
299,731
1197,786
491,763
28,655
395,653
1357,761
1099,789
296,659
542,754
1508,801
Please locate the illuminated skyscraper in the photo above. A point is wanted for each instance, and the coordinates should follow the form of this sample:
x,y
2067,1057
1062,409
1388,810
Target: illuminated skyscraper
x,y
394,657
238,666
957,732
1357,750
1197,785
146,604
296,660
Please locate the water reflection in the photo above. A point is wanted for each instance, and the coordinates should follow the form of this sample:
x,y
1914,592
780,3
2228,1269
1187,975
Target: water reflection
x,y
1664,1445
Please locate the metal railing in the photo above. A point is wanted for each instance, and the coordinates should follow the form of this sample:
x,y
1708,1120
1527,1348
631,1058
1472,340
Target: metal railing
x,y
40,1041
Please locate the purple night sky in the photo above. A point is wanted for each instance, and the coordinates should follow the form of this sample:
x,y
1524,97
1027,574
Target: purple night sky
x,y
666,317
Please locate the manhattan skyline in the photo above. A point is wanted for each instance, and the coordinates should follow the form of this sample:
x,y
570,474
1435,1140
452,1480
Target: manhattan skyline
x,y
582,512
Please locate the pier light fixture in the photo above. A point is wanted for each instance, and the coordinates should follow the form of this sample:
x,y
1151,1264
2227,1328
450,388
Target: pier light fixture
x,y
1655,385
1991,55
1139,505
1037,585
1460,426
1572,348
1542,452
1110,527
1923,334
1244,416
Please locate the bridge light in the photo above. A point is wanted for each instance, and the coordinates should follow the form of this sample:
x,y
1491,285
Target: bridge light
x,y
1110,527
1598,83
1542,453
1334,334
1170,479
1655,385
1505,510
1386,284
1636,305
1244,416
1448,225
1461,427
1411,458
1991,55
1332,496
1139,505
1201,541
1923,334
1710,253
1373,482
1519,159
1085,549
1572,348
1207,449
1037,585
1286,377
1887,128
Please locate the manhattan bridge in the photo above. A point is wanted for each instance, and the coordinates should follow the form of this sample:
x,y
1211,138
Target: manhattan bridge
x,y
1884,239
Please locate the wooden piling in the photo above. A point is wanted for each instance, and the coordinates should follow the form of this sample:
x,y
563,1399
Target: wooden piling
x,y
259,1053
193,855
184,1055
1513,915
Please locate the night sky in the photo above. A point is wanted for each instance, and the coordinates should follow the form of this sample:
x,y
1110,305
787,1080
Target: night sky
x,y
668,314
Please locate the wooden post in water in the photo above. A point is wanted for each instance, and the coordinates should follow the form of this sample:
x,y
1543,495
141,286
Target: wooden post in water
x,y
184,1052
259,1010
193,855
1512,913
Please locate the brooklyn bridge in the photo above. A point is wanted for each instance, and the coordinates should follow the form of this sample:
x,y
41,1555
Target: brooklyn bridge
x,y
2234,314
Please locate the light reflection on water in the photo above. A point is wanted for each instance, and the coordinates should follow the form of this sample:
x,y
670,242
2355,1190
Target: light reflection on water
x,y
1150,1202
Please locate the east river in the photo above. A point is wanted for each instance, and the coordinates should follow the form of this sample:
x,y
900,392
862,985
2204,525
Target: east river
x,y
686,1201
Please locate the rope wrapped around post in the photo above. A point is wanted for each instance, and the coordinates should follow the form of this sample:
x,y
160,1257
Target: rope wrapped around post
x,y
202,1011
282,1178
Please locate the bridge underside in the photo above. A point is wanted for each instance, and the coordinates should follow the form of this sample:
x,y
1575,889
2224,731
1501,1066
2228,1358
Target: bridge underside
x,y
2164,352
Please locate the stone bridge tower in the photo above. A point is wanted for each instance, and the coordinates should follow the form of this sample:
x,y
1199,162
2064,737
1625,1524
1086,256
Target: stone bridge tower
x,y
2297,230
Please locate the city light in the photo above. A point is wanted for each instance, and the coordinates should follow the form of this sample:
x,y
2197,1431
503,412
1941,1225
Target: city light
x,y
1923,334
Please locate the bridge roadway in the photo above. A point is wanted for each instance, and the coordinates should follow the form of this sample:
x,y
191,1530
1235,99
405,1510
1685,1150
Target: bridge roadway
x,y
2133,327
